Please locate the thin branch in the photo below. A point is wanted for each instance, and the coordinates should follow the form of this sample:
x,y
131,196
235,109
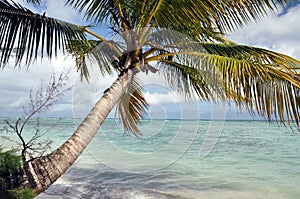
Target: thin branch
x,y
39,102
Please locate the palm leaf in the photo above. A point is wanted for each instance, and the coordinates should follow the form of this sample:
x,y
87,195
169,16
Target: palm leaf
x,y
262,81
132,107
204,19
255,62
97,10
27,35
194,16
190,81
35,2
119,13
259,80
94,51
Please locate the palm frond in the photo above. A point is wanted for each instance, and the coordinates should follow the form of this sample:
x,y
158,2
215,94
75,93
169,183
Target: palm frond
x,y
262,81
132,107
93,51
121,15
35,2
25,35
96,10
203,20
191,82
207,17
256,62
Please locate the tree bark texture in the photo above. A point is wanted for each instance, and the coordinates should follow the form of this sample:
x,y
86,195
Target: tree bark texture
x,y
42,172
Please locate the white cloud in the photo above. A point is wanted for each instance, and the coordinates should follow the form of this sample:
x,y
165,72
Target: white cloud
x,y
55,9
16,83
15,86
58,10
162,98
277,32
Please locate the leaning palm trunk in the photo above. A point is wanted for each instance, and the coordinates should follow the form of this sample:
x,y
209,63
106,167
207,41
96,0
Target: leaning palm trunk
x,y
41,172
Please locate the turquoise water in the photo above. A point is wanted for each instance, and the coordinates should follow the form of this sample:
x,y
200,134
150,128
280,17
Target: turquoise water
x,y
181,159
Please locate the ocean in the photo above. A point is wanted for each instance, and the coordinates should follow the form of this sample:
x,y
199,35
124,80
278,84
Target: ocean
x,y
181,159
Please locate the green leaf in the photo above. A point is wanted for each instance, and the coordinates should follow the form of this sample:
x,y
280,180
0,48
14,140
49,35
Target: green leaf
x,y
94,52
263,82
132,107
26,35
9,163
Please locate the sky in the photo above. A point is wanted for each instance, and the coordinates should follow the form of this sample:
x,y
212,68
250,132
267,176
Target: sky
x,y
276,32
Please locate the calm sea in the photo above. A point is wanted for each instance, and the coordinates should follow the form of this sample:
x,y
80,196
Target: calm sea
x,y
179,159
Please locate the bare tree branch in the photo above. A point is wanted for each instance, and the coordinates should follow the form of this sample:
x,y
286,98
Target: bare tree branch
x,y
39,101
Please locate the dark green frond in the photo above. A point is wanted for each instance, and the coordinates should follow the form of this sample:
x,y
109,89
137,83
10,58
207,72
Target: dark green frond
x,y
132,107
25,35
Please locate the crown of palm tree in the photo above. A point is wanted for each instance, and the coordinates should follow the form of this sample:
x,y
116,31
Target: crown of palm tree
x,y
185,38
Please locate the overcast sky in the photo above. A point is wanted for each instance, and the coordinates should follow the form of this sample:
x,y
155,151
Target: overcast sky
x,y
277,32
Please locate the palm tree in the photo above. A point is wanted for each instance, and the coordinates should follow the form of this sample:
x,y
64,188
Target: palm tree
x,y
194,57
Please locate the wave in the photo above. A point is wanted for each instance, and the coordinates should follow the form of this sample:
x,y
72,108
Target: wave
x,y
90,191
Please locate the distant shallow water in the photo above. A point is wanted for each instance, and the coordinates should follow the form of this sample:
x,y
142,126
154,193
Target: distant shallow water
x,y
248,159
